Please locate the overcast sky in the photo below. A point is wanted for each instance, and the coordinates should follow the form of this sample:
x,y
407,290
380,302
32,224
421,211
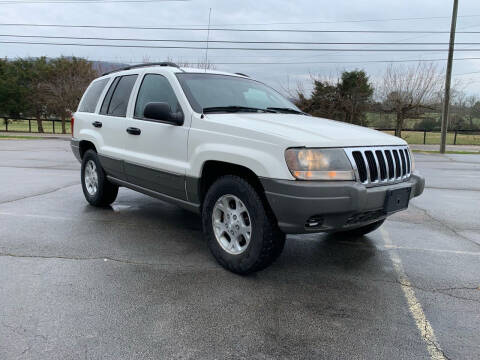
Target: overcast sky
x,y
252,14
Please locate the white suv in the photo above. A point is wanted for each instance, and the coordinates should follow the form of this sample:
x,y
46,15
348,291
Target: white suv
x,y
237,152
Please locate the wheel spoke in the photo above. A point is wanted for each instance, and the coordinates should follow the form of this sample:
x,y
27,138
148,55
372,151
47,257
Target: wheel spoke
x,y
91,177
246,231
231,224
225,203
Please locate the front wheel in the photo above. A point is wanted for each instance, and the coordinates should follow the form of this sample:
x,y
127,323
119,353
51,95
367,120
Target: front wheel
x,y
97,189
241,232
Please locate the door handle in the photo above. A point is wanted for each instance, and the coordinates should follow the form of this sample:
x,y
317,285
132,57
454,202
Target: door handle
x,y
97,124
134,131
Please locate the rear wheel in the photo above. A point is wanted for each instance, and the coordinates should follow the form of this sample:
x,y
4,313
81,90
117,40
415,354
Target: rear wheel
x,y
358,232
241,232
97,189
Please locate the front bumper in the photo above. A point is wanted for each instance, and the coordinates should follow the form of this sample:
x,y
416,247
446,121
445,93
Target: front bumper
x,y
337,205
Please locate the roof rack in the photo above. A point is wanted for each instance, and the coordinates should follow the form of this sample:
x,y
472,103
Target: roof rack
x,y
143,65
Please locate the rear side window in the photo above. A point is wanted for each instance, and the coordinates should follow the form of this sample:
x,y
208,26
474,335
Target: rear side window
x,y
116,100
92,95
155,88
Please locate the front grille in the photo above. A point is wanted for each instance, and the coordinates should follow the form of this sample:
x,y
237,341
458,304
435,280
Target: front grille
x,y
380,165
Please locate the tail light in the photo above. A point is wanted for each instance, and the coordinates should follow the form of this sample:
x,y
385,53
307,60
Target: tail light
x,y
72,122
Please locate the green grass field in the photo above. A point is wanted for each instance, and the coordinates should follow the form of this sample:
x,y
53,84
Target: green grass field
x,y
433,138
22,126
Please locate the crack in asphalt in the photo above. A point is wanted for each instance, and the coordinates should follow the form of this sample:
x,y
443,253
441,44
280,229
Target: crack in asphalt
x,y
436,290
451,188
434,343
444,225
104,259
77,258
39,167
39,194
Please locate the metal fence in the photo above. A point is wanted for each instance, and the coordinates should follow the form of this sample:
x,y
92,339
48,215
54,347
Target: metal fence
x,y
413,136
419,136
25,125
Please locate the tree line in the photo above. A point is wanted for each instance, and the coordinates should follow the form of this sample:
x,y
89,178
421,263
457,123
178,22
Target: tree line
x,y
403,92
40,88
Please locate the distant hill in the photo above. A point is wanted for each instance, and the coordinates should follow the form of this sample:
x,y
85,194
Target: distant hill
x,y
105,66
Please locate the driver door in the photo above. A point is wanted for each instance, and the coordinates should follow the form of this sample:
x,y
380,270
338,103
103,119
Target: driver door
x,y
156,151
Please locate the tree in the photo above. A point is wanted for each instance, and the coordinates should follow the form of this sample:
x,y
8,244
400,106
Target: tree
x,y
409,91
66,82
473,110
346,98
355,93
20,88
323,102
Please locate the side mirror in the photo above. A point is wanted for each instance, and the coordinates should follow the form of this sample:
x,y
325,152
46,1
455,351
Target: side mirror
x,y
161,111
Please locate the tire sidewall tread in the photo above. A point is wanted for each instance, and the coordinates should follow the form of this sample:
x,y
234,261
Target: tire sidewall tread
x,y
106,192
266,242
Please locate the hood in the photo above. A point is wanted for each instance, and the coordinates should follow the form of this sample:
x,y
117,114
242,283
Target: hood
x,y
301,130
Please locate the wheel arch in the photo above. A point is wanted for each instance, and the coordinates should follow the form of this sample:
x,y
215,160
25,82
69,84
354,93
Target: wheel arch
x,y
214,169
85,145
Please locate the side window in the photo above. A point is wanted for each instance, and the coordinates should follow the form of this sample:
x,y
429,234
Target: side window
x,y
155,88
116,100
108,97
92,95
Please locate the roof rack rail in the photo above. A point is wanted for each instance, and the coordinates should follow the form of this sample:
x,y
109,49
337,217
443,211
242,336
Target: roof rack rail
x,y
166,63
241,74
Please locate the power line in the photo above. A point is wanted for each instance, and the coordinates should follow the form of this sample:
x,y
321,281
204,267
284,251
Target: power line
x,y
230,48
303,62
240,30
6,2
234,41
345,21
468,73
340,62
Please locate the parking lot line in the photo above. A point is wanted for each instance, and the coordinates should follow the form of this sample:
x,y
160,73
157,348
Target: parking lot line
x,y
423,325
457,252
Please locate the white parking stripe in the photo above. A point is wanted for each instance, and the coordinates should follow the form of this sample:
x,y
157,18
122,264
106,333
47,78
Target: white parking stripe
x,y
414,305
458,252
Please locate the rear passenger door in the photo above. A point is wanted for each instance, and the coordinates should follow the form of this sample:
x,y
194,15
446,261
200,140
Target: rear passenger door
x,y
112,125
156,157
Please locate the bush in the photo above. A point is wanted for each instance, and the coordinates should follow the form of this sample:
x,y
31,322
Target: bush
x,y
428,123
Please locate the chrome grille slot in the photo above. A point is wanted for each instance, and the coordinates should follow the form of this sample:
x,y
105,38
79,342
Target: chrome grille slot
x,y
372,167
380,165
360,164
407,158
391,166
398,169
404,164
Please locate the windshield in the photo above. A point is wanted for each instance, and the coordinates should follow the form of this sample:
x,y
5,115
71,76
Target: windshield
x,y
207,91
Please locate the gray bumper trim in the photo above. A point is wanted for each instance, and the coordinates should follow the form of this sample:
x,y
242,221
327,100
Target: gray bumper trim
x,y
336,202
75,145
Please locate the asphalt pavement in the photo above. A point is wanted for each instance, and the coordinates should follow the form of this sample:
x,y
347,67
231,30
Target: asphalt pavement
x,y
136,281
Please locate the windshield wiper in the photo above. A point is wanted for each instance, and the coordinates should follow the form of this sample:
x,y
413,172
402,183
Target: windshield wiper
x,y
235,108
286,110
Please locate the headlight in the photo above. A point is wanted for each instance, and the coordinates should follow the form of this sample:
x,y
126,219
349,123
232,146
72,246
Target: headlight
x,y
319,164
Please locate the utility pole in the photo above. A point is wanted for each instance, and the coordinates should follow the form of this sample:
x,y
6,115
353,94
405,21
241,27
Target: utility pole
x,y
446,100
208,39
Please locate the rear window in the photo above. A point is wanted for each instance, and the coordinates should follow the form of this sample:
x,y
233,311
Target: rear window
x,y
90,100
116,100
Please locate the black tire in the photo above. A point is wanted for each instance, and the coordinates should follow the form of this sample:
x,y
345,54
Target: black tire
x,y
359,232
266,240
106,192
